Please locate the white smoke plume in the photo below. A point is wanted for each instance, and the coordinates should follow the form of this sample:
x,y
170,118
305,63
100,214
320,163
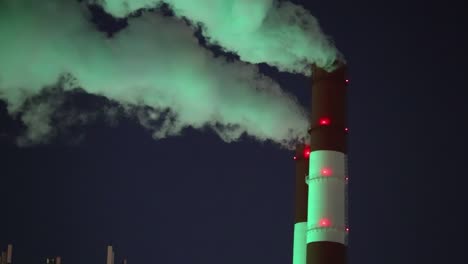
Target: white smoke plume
x,y
155,62
280,34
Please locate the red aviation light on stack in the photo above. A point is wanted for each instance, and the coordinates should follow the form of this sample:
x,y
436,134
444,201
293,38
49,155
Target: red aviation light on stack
x,y
326,172
324,121
303,153
306,151
324,222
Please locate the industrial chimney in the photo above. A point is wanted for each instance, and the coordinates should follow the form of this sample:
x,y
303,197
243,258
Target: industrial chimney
x,y
301,159
327,178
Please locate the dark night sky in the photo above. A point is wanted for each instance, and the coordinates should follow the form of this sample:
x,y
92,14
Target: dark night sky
x,y
195,199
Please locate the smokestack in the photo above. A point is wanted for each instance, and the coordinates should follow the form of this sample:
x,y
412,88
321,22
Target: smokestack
x,y
58,260
124,261
3,258
300,219
110,255
326,213
9,254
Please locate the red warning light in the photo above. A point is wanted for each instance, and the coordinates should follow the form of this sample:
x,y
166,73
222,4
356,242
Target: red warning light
x,y
347,81
307,152
326,172
324,222
346,129
347,229
295,158
324,121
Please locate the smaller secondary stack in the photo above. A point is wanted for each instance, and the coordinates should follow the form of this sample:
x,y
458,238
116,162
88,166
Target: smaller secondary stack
x,y
300,216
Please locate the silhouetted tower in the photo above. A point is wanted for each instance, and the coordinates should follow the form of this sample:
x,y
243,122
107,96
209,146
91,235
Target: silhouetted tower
x,y
110,255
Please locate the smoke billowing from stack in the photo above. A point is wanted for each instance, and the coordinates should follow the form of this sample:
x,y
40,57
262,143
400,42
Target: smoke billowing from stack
x,y
157,63
280,34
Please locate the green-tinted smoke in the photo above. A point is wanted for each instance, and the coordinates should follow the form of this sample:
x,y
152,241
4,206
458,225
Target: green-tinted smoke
x,y
156,62
280,34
